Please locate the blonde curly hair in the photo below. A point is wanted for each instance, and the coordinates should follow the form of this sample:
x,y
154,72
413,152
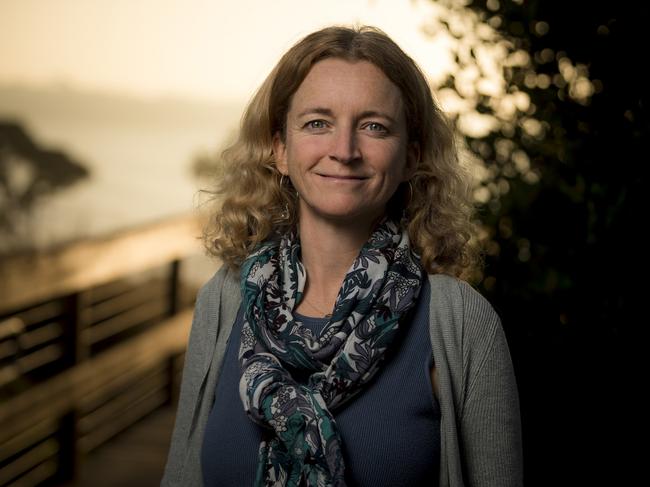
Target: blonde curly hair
x,y
255,203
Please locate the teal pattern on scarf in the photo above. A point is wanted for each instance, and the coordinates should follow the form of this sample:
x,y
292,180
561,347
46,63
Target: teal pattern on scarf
x,y
302,446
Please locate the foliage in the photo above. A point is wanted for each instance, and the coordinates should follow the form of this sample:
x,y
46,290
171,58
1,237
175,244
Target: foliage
x,y
28,173
561,264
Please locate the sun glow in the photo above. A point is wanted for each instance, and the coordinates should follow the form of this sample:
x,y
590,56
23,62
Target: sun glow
x,y
198,48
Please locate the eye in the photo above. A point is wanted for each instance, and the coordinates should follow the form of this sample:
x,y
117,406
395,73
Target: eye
x,y
376,127
316,124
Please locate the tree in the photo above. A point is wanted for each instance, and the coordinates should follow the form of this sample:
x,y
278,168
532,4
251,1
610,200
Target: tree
x,y
561,184
28,173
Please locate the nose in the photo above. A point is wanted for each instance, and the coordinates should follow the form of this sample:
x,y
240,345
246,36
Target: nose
x,y
345,147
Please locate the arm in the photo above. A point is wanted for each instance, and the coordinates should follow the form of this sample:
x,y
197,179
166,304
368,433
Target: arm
x,y
197,356
189,391
489,423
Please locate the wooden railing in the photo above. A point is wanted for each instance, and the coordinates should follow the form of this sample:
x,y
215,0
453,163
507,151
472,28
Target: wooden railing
x,y
92,337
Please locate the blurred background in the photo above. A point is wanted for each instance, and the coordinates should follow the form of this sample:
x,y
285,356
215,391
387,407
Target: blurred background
x,y
112,114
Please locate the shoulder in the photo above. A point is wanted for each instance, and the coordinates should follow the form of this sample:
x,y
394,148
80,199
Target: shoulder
x,y
221,291
461,311
224,279
459,295
223,284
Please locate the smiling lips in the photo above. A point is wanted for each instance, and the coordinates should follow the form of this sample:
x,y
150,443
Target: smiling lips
x,y
343,177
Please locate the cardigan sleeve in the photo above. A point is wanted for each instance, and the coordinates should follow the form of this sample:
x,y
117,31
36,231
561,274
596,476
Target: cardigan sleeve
x,y
198,353
489,422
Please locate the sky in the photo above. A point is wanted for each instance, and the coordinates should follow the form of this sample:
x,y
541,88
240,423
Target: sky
x,y
210,49
95,78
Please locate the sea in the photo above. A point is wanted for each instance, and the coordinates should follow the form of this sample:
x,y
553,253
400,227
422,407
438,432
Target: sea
x,y
139,152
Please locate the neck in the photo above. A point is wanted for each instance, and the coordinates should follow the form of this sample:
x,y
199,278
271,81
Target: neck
x,y
328,251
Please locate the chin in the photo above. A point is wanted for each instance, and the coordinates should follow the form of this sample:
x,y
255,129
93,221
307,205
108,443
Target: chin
x,y
342,212
352,216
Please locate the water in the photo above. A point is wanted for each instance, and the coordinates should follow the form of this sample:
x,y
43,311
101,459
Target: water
x,y
139,154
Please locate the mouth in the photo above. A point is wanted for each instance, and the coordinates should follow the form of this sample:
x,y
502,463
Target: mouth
x,y
335,177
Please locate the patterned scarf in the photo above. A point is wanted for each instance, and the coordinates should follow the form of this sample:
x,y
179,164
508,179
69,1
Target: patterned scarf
x,y
302,446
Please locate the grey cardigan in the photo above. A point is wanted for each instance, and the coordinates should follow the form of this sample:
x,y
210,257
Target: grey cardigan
x,y
480,423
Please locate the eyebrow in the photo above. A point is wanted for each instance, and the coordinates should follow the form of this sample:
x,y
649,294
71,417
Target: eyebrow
x,y
330,113
316,110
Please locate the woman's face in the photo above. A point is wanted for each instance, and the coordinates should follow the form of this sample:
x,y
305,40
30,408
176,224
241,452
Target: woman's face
x,y
346,148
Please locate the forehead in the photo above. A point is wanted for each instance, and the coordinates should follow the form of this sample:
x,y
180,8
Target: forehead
x,y
334,82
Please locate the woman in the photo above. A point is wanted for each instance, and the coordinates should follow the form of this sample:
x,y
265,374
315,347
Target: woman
x,y
337,345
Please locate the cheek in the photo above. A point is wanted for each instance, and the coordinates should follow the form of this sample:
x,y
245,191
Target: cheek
x,y
305,151
393,162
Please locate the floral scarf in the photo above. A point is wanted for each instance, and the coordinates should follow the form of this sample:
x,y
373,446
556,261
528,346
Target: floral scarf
x,y
302,446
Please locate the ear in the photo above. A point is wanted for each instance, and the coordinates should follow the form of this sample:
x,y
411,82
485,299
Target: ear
x,y
412,160
280,154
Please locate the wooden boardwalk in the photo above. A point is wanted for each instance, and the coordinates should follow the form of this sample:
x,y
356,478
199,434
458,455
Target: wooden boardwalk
x,y
135,457
92,337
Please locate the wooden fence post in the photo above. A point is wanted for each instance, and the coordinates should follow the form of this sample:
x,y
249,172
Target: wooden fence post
x,y
69,456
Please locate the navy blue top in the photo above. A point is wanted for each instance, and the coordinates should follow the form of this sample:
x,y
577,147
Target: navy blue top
x,y
390,431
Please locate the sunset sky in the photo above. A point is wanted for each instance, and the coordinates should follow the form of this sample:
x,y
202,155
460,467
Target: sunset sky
x,y
213,49
140,87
